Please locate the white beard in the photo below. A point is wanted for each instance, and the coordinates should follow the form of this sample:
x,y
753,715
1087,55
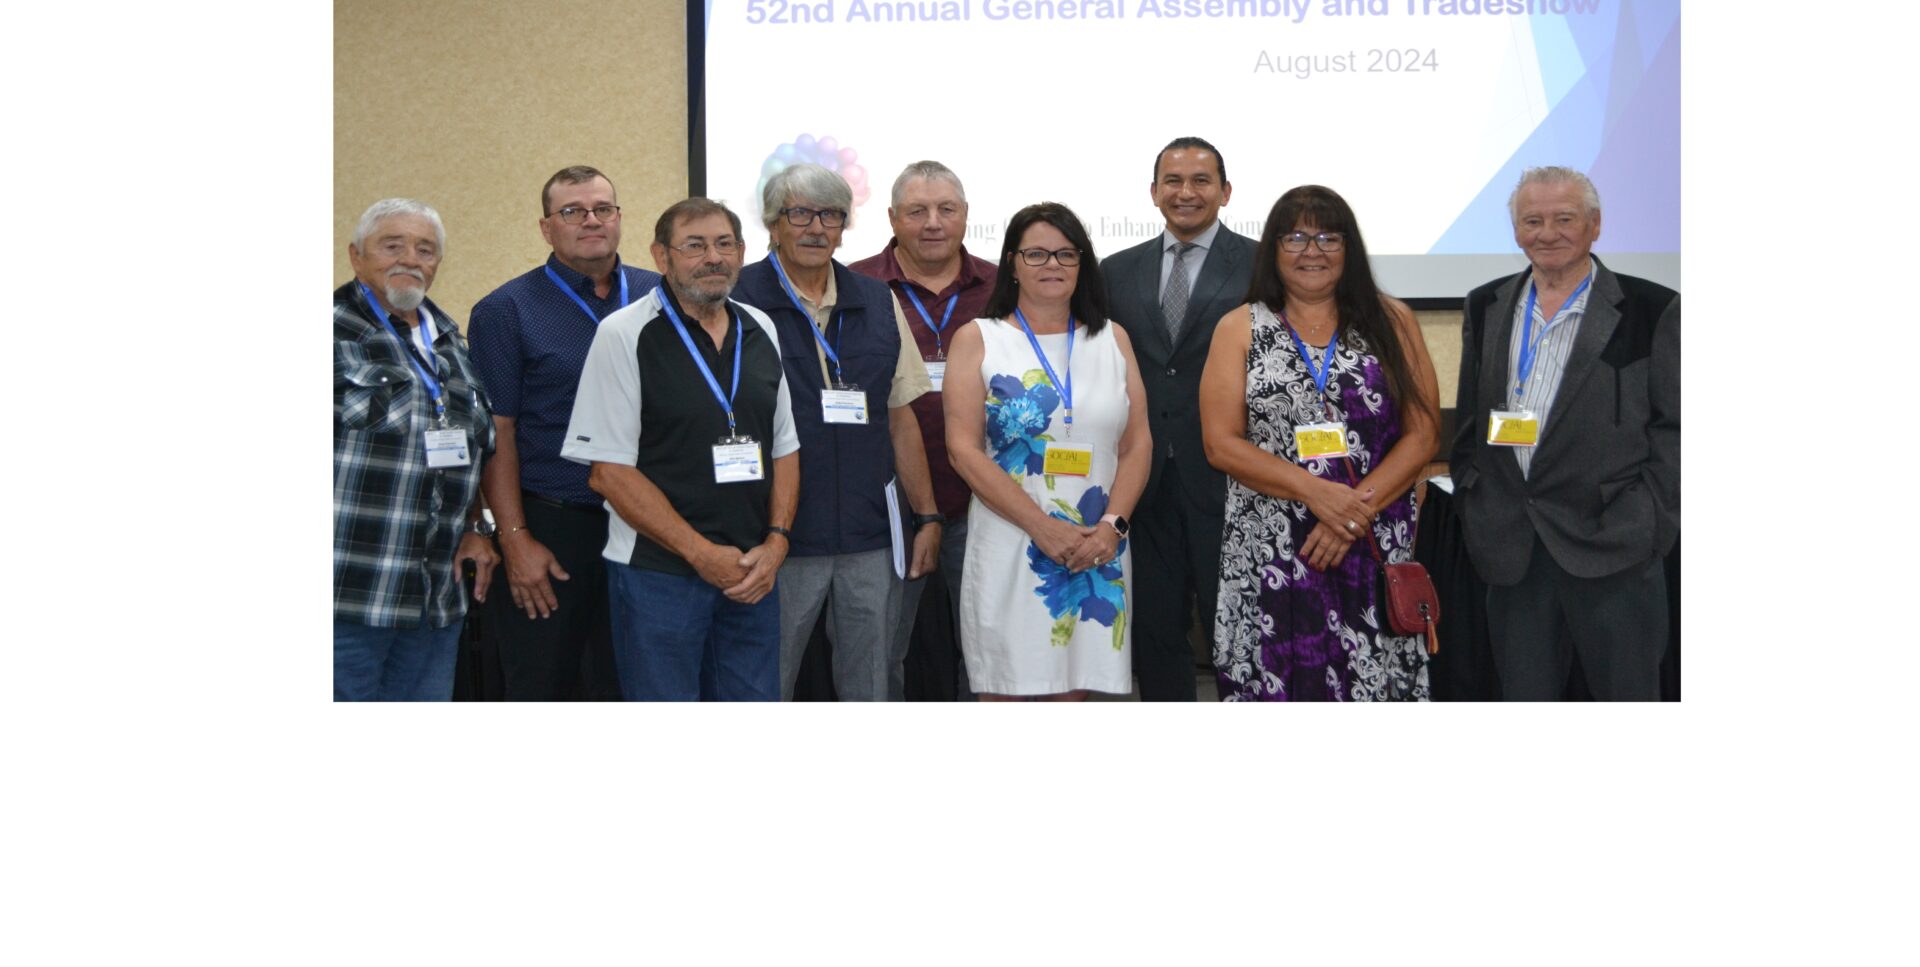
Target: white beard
x,y
406,299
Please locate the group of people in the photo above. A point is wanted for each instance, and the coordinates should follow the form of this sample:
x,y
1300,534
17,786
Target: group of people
x,y
687,469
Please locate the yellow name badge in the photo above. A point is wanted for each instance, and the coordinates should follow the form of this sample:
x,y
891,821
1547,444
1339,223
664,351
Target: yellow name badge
x,y
1316,440
1068,459
1513,428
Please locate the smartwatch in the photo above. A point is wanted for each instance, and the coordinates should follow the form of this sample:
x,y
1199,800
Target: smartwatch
x,y
1118,523
922,520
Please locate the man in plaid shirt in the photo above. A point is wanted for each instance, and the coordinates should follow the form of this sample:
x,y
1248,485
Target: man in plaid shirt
x,y
410,427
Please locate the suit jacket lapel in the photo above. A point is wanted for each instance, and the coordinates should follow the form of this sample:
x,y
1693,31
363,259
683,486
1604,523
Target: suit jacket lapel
x,y
1596,328
1146,288
1496,373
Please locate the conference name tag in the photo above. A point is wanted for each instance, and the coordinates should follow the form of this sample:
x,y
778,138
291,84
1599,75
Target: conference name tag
x,y
937,371
447,448
1513,428
1316,440
844,405
1068,459
736,459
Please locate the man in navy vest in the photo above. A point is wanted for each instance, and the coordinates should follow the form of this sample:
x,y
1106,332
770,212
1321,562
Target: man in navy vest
x,y
530,338
852,370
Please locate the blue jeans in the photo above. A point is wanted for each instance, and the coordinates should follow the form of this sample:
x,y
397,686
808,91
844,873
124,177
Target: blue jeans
x,y
394,664
677,638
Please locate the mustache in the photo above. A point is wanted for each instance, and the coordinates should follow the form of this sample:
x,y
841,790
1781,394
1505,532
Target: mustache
x,y
402,270
721,269
808,241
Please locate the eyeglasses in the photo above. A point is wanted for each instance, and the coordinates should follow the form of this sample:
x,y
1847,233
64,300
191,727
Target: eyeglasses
x,y
1038,256
697,248
1328,242
574,216
802,217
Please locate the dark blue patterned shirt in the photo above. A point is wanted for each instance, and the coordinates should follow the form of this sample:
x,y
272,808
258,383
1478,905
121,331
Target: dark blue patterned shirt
x,y
529,342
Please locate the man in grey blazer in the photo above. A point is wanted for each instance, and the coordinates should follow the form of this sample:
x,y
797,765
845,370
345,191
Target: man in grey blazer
x,y
1168,293
1566,458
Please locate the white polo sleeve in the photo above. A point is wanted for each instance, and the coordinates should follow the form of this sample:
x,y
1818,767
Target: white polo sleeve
x,y
605,426
786,439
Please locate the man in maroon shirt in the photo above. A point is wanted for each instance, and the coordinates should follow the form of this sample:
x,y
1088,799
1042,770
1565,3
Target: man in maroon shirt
x,y
942,288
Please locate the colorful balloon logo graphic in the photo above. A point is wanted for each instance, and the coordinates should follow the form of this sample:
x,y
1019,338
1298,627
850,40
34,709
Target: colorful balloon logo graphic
x,y
825,152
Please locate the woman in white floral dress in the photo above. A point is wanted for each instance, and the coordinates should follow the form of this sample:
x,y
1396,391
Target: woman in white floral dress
x,y
1046,421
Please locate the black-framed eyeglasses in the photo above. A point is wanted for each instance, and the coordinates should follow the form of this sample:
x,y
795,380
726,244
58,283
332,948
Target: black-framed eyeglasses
x,y
1039,256
1328,242
574,216
802,217
697,248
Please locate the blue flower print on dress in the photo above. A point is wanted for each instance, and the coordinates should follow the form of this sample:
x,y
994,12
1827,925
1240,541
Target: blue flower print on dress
x,y
1098,594
1018,412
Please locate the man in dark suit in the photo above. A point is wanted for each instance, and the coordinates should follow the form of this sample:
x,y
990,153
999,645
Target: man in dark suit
x,y
1168,293
1566,460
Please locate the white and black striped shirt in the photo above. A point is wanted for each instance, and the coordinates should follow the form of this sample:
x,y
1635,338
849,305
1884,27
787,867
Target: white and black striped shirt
x,y
1549,358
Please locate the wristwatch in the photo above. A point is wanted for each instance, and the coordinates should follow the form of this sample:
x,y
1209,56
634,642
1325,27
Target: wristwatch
x,y
482,527
922,520
1118,523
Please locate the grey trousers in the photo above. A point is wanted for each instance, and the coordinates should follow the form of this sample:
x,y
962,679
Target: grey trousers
x,y
861,596
953,558
1617,625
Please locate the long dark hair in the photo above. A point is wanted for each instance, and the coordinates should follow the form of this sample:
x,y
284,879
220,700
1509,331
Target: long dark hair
x,y
1089,303
1356,298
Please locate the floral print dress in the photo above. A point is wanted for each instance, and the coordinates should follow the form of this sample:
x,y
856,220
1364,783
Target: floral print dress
x,y
1283,631
1027,626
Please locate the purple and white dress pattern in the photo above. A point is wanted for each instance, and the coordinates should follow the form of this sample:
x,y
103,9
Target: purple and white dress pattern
x,y
1284,631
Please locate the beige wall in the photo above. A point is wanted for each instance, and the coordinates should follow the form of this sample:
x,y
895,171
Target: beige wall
x,y
469,105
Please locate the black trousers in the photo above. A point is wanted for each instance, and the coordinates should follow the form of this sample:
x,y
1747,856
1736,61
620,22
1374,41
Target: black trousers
x,y
1616,627
567,656
1176,571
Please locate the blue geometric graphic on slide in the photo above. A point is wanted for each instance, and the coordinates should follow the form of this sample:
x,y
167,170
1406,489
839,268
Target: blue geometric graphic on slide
x,y
1613,84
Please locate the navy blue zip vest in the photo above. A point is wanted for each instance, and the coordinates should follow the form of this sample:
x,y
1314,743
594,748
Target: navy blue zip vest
x,y
844,469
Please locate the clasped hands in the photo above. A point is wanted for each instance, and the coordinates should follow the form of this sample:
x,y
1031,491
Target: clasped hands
x,y
1076,548
1344,517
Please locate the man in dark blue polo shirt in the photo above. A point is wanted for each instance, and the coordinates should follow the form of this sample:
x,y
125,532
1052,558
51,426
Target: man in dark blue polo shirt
x,y
529,339
683,415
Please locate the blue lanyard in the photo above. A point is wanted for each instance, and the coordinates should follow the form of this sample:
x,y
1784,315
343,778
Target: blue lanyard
x,y
1064,387
1530,341
739,337
832,355
1326,361
582,303
939,330
426,378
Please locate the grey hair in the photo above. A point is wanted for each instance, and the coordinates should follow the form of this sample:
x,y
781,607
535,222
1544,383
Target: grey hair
x,y
388,207
931,171
813,183
1554,175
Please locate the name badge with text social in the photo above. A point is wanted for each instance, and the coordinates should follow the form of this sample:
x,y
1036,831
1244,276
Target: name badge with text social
x,y
844,404
736,459
1513,428
1068,459
447,448
1316,440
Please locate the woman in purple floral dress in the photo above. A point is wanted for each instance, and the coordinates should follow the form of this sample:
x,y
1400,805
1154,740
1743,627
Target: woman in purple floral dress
x,y
1046,421
1319,400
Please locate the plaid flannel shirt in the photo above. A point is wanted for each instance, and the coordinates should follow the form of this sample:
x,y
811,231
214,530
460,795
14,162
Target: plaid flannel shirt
x,y
396,522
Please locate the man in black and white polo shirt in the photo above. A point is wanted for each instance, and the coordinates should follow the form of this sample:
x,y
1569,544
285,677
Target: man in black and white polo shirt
x,y
683,414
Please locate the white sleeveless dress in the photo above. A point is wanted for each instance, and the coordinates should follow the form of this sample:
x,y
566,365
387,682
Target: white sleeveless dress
x,y
1027,626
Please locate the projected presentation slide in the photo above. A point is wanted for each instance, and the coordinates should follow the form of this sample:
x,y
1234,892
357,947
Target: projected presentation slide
x,y
1422,113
